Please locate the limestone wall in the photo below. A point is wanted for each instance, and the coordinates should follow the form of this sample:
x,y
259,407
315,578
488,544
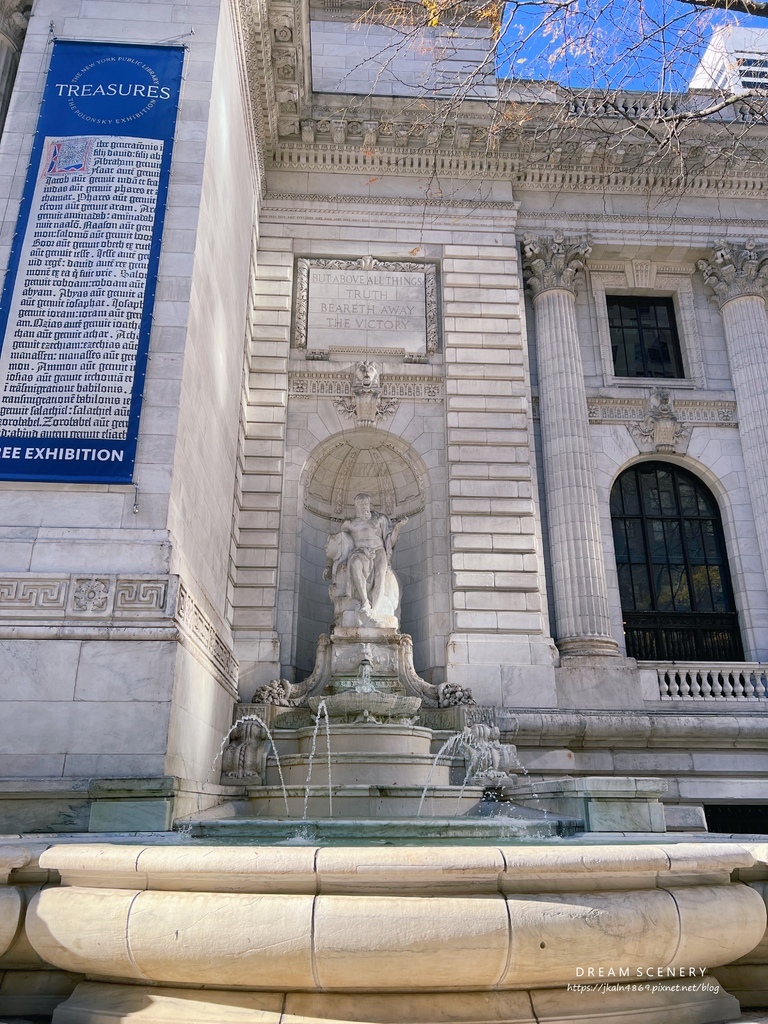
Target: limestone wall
x,y
651,247
91,686
472,563
380,60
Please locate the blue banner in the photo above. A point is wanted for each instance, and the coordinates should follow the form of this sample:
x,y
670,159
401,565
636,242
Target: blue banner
x,y
77,302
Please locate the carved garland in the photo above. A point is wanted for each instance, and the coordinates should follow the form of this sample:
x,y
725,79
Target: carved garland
x,y
696,412
339,385
690,411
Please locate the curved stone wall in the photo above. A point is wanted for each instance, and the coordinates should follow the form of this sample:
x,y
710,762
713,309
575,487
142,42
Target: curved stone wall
x,y
402,922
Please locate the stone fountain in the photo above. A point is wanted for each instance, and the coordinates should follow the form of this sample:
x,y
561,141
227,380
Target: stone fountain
x,y
386,761
169,929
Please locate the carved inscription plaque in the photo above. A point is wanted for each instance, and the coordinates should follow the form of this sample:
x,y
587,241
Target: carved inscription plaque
x,y
366,306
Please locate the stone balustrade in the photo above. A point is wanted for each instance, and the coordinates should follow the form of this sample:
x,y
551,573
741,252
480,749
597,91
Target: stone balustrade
x,y
712,682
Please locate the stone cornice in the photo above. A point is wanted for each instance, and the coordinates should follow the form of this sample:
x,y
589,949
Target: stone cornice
x,y
247,51
660,222
561,147
521,172
553,263
694,412
418,203
733,271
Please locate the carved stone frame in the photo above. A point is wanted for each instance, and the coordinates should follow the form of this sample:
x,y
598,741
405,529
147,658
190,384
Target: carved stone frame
x,y
431,302
642,278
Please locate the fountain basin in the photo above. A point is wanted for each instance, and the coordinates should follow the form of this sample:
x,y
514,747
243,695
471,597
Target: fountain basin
x,y
364,768
525,824
363,801
383,739
397,934
374,703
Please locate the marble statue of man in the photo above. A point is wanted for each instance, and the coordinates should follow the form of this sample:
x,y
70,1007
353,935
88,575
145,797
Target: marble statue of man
x,y
361,555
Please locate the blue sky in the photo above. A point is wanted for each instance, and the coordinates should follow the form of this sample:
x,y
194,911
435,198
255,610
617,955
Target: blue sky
x,y
631,44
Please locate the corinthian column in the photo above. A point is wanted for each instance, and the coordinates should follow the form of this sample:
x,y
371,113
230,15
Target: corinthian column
x,y
738,277
578,569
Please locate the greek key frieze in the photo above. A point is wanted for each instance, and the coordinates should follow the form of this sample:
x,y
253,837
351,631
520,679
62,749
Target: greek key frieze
x,y
80,596
202,632
40,595
138,595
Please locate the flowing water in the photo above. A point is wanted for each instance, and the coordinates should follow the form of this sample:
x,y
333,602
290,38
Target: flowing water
x,y
322,710
265,727
448,747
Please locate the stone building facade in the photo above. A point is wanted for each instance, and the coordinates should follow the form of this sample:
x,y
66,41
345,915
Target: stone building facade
x,y
133,617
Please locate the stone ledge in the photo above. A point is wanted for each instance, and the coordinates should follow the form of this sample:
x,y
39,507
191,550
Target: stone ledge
x,y
728,727
112,606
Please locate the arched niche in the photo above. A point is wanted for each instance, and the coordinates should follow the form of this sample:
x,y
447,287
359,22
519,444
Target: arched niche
x,y
386,467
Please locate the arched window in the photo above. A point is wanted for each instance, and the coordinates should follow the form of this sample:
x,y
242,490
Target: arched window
x,y
676,595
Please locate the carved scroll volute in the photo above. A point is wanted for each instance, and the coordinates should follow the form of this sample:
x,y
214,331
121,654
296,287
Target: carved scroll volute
x,y
553,263
733,271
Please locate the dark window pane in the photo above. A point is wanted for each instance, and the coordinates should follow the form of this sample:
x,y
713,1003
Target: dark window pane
x,y
711,546
629,492
656,540
667,497
706,506
619,356
688,498
635,541
625,587
679,585
663,588
620,541
642,589
650,492
644,339
674,541
694,542
701,592
675,588
720,602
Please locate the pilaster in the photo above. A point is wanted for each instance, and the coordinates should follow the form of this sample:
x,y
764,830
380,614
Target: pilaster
x,y
499,624
583,626
256,524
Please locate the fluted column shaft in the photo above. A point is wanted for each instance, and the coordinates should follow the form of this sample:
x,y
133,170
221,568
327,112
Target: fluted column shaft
x,y
738,278
578,567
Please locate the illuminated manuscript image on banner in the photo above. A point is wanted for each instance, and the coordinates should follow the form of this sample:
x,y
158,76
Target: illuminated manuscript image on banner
x,y
77,301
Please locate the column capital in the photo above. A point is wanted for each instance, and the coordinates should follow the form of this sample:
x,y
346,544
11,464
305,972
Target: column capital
x,y
735,270
553,262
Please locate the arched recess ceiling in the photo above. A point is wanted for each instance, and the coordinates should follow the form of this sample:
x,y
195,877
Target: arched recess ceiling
x,y
367,460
